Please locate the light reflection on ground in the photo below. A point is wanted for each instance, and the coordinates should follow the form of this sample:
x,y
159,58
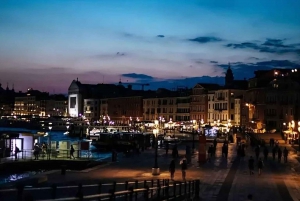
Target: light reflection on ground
x,y
14,177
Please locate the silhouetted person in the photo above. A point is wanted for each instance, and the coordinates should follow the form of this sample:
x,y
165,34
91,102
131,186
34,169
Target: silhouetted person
x,y
274,150
183,164
210,152
285,154
215,143
167,148
257,151
72,150
225,150
251,165
17,150
266,153
279,154
175,152
260,166
172,169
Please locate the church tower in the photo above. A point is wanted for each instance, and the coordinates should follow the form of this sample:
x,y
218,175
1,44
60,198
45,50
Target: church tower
x,y
229,77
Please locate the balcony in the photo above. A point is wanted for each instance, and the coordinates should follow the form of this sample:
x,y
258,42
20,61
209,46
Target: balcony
x,y
219,109
221,98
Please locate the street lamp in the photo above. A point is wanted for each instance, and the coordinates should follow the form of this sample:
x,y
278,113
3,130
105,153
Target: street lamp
x,y
155,169
67,126
49,137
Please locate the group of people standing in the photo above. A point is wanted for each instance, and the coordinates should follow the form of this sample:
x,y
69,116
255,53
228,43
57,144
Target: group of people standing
x,y
183,163
276,150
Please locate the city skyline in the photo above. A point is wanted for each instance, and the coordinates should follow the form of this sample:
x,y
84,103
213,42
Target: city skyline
x,y
46,45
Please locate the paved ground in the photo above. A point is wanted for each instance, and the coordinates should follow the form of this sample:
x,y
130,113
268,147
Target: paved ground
x,y
221,179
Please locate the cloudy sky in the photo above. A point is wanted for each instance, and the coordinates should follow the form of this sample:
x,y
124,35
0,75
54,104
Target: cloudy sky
x,y
167,43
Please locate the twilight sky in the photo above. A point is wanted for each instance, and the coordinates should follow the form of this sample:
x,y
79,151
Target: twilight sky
x,y
167,43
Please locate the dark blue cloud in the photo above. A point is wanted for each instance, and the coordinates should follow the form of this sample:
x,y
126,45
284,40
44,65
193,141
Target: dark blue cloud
x,y
138,76
269,46
160,36
213,62
206,39
246,70
276,43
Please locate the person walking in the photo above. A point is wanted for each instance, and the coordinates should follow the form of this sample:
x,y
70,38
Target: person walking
x,y
251,165
226,150
285,154
257,151
175,152
260,166
274,150
215,143
172,169
167,148
183,164
279,154
17,150
72,150
266,153
210,152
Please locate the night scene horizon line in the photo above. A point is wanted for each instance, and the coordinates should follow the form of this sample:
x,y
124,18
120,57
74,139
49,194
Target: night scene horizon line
x,y
149,100
164,40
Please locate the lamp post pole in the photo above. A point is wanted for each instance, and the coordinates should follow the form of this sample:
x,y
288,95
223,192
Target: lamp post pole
x,y
49,138
155,169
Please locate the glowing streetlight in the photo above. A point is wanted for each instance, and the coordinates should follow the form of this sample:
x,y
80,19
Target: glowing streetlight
x,y
50,128
155,169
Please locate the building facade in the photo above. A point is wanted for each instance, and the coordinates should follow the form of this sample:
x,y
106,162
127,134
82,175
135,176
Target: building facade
x,y
163,108
92,109
199,101
38,103
122,110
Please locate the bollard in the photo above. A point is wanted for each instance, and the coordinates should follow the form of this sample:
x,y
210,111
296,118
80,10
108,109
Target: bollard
x,y
152,184
163,186
114,186
146,194
131,194
158,189
99,189
167,189
126,188
197,189
190,183
20,189
54,188
79,193
174,190
180,187
112,195
136,186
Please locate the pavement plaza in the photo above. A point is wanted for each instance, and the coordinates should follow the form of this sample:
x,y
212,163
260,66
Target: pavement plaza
x,y
220,179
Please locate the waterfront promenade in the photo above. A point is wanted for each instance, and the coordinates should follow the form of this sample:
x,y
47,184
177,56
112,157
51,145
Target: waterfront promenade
x,y
220,179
